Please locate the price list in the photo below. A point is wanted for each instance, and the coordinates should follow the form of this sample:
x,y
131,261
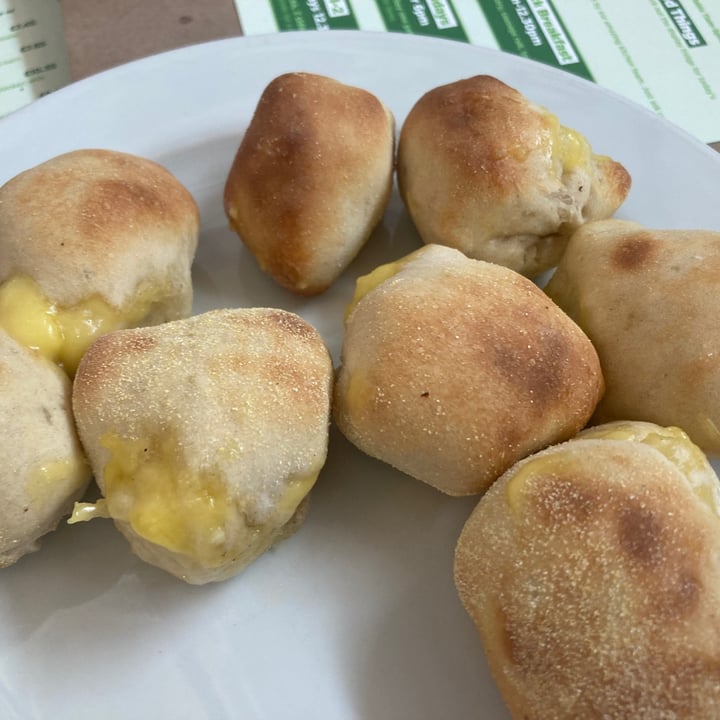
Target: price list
x,y
33,54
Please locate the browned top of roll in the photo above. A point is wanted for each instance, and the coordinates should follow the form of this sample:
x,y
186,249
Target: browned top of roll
x,y
311,178
96,222
592,571
453,369
252,377
483,169
647,300
231,405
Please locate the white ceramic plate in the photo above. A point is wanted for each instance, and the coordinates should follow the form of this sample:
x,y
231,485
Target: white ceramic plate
x,y
356,616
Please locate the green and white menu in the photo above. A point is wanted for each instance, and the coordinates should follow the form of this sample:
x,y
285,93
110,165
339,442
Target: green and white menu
x,y
664,54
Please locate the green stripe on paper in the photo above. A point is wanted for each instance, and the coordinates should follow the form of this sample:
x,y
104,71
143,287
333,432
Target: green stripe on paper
x,y
535,30
437,18
683,23
314,15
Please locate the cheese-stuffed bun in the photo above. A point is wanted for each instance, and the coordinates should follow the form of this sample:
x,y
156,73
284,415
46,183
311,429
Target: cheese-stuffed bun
x,y
592,573
311,178
483,169
205,435
93,241
42,466
648,301
453,369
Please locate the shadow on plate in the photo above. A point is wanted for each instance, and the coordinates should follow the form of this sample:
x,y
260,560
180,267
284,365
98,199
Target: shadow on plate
x,y
404,644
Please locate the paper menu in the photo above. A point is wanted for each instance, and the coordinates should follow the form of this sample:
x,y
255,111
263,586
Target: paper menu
x,y
33,53
664,54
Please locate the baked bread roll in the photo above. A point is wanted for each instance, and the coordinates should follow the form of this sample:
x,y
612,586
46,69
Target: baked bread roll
x,y
311,179
592,573
92,241
205,435
453,369
646,300
42,467
483,169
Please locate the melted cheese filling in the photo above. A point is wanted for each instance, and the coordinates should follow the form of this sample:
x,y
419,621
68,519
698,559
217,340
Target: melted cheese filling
x,y
359,390
42,482
150,487
63,334
359,393
673,443
367,283
569,149
676,446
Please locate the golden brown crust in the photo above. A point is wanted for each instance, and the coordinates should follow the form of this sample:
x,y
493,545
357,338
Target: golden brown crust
x,y
453,369
311,178
483,169
100,223
254,347
592,573
245,394
645,299
42,467
611,185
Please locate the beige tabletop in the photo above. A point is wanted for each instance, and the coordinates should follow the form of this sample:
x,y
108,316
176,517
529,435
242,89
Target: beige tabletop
x,y
104,33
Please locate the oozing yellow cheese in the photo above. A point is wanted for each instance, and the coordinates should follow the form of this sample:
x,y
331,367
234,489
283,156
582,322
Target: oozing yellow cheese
x,y
568,147
546,464
84,511
295,491
676,446
62,334
29,317
571,148
366,283
164,501
673,443
44,478
358,393
149,486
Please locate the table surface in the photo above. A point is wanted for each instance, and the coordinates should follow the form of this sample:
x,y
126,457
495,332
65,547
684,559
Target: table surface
x,y
104,33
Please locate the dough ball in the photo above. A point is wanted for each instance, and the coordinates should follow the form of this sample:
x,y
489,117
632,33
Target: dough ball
x,y
453,369
93,241
592,573
205,435
646,299
311,179
42,466
483,169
